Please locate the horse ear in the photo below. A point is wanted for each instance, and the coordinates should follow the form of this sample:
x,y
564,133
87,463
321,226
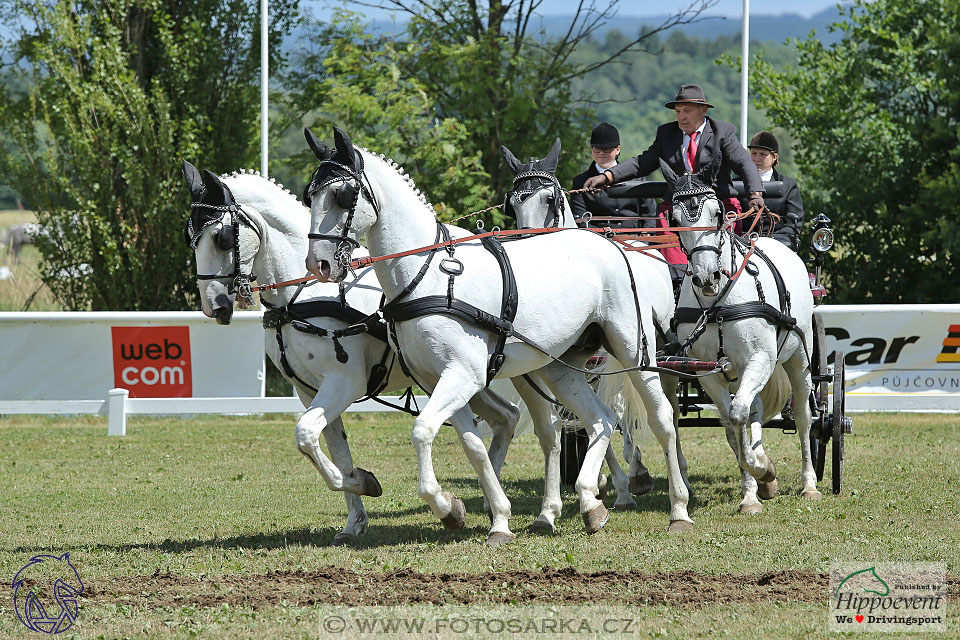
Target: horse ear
x,y
668,175
708,174
345,152
511,159
322,151
549,164
194,181
217,192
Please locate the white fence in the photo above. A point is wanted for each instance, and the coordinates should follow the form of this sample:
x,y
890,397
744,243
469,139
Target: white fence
x,y
898,358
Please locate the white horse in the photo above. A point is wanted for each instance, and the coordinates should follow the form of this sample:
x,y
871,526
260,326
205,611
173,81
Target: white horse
x,y
245,223
572,296
537,201
759,315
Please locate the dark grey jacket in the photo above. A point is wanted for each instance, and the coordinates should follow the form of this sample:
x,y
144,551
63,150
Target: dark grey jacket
x,y
790,209
600,204
718,138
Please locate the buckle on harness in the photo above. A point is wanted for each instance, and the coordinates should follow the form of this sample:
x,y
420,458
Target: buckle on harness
x,y
451,266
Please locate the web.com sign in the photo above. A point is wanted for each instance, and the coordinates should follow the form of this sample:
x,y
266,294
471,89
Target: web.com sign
x,y
152,362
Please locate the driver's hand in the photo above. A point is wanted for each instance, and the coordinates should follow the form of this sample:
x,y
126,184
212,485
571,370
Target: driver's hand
x,y
756,201
596,182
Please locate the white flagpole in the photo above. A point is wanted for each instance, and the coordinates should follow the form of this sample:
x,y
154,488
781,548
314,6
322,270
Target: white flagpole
x,y
264,84
744,72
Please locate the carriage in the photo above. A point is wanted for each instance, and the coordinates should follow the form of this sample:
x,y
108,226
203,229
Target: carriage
x,y
830,424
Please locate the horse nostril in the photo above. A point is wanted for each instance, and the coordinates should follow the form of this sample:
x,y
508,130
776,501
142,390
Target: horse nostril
x,y
715,276
697,281
325,269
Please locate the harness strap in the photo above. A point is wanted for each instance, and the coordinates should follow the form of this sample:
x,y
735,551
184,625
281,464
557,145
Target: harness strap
x,y
508,304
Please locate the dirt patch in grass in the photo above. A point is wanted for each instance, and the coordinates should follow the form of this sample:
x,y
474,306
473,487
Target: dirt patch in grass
x,y
550,586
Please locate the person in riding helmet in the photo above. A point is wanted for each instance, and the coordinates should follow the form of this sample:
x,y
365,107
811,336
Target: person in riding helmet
x,y
765,153
605,148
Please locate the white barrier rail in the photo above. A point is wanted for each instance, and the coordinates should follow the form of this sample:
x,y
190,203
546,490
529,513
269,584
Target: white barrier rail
x,y
118,405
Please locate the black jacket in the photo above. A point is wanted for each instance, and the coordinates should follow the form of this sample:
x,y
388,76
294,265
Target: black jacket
x,y
600,204
718,138
790,209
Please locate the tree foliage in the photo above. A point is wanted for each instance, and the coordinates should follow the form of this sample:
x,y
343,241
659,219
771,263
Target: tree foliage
x,y
486,69
119,92
875,117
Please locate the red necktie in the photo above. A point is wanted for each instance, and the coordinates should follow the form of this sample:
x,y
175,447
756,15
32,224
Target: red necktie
x,y
692,151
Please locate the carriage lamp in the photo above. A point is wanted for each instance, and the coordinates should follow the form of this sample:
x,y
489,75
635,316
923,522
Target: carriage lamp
x,y
822,239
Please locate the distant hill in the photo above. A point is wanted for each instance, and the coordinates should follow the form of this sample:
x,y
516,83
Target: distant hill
x,y
763,28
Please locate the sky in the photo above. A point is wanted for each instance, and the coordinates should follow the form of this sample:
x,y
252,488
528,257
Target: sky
x,y
728,8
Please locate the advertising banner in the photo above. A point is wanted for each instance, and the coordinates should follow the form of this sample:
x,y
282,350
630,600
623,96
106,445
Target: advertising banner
x,y
897,357
80,356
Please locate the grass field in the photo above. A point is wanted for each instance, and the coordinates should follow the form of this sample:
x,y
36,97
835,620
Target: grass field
x,y
218,528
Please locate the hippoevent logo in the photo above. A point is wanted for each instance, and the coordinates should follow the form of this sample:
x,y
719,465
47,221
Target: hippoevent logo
x,y
45,592
888,597
951,344
152,362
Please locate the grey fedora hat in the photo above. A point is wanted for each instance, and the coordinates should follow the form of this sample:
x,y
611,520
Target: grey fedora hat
x,y
691,94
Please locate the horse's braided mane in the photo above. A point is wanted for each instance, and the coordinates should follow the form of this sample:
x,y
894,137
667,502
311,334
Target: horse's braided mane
x,y
406,178
253,172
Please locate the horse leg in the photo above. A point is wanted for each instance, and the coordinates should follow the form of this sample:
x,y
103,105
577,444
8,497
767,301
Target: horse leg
x,y
548,435
802,384
357,519
449,401
766,489
620,481
753,377
333,397
502,416
661,420
575,393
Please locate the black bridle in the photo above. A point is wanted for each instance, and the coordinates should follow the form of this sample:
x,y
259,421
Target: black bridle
x,y
347,196
227,238
534,181
698,195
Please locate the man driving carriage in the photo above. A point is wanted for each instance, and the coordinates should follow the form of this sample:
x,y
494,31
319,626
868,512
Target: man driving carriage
x,y
690,142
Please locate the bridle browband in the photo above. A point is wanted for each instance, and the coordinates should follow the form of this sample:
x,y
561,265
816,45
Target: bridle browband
x,y
347,197
522,194
237,281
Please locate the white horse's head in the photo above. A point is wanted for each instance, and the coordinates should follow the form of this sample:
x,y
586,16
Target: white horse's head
x,y
695,204
225,241
536,199
342,206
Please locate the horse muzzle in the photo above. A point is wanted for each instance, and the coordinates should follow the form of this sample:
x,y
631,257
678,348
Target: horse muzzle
x,y
709,286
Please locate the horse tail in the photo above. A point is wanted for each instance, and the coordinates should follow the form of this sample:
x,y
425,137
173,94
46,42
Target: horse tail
x,y
617,392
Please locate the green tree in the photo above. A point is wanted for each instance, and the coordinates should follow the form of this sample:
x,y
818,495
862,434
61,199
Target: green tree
x,y
119,92
488,68
357,81
875,119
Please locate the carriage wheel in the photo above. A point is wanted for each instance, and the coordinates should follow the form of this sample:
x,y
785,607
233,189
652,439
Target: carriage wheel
x,y
819,434
839,406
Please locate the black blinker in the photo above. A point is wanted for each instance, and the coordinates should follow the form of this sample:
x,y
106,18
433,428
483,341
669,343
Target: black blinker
x,y
345,194
225,237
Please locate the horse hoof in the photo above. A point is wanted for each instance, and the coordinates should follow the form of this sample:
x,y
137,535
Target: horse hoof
x,y
679,526
811,494
498,538
596,518
345,540
641,484
541,527
771,473
370,486
626,506
457,518
751,508
767,490
602,486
